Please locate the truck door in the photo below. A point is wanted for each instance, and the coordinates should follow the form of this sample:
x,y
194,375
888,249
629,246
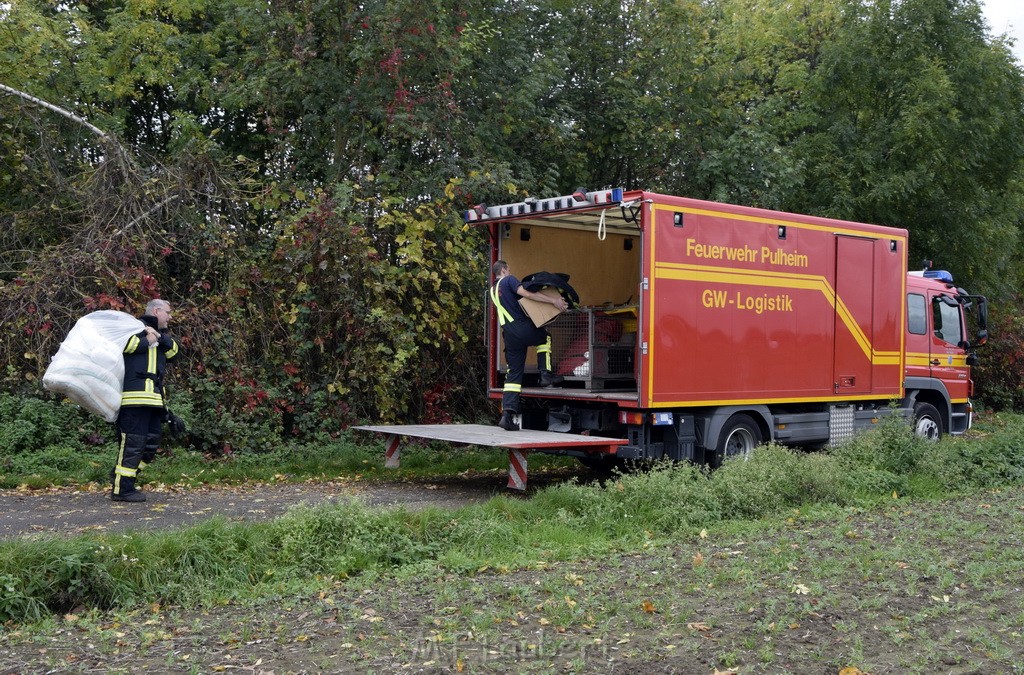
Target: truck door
x,y
946,357
854,318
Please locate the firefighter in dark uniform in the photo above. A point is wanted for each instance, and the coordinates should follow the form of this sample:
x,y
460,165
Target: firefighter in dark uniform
x,y
518,334
142,402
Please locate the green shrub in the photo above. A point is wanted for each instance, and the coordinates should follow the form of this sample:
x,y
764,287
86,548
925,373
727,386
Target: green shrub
x,y
31,424
772,479
986,459
890,447
999,377
59,461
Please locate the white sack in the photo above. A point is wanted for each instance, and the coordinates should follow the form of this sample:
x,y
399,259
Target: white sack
x,y
89,366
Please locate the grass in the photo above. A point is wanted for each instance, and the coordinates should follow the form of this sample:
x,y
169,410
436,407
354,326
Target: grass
x,y
351,457
728,568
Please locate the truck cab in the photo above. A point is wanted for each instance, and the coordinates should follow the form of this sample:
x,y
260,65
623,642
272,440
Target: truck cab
x,y
938,353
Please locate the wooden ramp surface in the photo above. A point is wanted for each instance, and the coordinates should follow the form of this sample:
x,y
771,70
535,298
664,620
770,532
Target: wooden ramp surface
x,y
479,434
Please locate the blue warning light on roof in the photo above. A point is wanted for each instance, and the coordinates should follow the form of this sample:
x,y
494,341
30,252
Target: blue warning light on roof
x,y
940,275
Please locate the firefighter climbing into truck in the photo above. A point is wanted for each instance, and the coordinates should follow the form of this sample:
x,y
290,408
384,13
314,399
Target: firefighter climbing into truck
x,y
519,333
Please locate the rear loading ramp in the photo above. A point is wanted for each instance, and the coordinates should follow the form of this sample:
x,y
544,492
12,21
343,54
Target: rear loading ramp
x,y
518,443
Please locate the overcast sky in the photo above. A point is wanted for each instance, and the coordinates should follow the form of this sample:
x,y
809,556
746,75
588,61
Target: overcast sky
x,y
1007,16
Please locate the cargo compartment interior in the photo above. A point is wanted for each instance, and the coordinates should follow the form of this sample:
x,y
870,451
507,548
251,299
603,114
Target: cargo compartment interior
x,y
593,344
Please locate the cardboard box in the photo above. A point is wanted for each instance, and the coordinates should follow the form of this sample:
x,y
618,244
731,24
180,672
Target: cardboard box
x,y
541,313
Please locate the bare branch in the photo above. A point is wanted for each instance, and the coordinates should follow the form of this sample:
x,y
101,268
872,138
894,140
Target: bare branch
x,y
57,109
153,209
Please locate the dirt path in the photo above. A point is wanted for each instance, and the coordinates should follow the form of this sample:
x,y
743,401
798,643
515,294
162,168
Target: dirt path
x,y
71,510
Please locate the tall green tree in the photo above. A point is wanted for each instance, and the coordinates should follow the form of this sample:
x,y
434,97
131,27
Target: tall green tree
x,y
294,170
759,60
920,124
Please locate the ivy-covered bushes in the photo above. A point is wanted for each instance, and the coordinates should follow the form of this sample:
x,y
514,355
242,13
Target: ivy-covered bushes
x,y
358,308
999,375
28,425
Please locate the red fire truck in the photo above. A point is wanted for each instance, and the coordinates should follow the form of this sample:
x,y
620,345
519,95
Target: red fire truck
x,y
704,329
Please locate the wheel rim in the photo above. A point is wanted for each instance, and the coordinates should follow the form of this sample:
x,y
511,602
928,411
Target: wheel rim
x,y
740,444
927,428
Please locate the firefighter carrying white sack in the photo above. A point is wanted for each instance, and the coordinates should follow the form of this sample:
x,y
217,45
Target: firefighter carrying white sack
x,y
518,334
142,403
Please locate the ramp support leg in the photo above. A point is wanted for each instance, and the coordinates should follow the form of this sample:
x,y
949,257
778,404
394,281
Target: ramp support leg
x,y
392,451
517,469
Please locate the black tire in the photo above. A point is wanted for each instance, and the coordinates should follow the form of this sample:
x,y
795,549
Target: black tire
x,y
739,437
927,422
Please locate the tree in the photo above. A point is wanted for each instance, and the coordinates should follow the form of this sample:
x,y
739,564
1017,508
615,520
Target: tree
x,y
920,124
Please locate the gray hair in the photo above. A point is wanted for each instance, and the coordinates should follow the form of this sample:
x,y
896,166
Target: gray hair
x,y
156,303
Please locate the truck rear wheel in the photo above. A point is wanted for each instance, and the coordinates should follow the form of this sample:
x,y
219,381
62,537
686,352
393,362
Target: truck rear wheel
x,y
739,437
927,422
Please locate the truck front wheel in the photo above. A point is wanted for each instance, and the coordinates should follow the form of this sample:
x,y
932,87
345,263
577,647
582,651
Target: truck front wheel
x,y
739,437
927,422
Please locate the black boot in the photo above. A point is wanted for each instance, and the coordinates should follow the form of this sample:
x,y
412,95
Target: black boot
x,y
549,379
133,496
507,423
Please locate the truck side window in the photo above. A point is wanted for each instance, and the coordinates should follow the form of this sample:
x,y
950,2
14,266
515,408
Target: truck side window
x,y
917,318
947,323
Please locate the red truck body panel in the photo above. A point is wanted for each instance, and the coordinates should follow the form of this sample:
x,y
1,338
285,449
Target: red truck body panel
x,y
753,306
742,305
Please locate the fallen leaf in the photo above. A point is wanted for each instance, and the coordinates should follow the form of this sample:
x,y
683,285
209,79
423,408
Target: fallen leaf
x,y
703,534
648,606
850,670
700,627
800,589
698,559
